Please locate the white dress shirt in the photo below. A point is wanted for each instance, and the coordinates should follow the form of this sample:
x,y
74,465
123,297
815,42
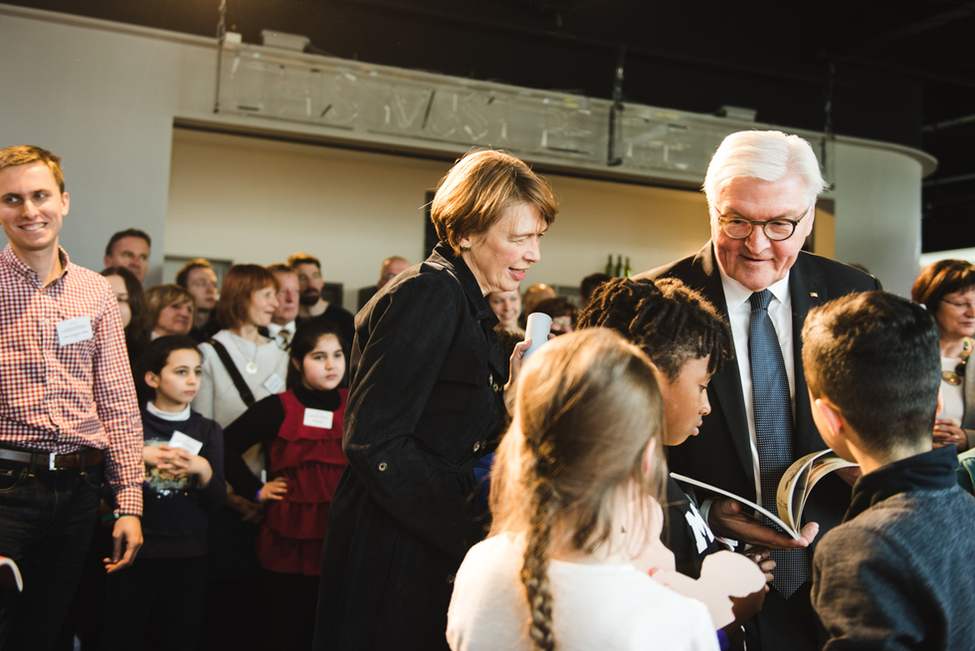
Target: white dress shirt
x,y
274,333
739,315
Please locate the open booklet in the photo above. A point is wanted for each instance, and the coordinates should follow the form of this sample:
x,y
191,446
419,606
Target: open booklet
x,y
794,487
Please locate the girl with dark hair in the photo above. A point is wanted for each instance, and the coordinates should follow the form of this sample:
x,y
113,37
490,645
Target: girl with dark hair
x,y
301,430
576,514
160,598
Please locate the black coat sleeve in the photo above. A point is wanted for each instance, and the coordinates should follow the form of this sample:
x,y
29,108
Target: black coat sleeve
x,y
259,424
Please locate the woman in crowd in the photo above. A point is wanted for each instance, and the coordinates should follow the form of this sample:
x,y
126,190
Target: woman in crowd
x,y
507,307
564,314
425,402
239,368
169,310
576,514
131,306
947,290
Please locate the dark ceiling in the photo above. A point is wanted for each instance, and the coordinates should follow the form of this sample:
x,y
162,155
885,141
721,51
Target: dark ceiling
x,y
901,72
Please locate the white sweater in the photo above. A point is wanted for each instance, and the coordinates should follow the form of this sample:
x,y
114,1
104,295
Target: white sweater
x,y
218,398
602,607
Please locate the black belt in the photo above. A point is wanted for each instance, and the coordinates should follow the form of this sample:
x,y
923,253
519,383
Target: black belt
x,y
81,459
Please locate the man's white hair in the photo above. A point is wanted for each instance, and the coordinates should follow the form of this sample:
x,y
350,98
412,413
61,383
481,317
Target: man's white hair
x,y
766,155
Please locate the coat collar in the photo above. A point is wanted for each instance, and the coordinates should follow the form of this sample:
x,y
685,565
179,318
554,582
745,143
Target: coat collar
x,y
444,257
930,471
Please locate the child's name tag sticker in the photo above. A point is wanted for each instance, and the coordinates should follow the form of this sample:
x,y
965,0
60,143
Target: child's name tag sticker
x,y
71,331
184,442
318,418
274,383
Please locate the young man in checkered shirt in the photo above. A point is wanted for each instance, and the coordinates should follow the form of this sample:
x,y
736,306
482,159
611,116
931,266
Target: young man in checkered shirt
x,y
69,419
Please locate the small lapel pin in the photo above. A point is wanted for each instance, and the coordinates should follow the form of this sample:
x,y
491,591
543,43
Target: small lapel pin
x,y
814,294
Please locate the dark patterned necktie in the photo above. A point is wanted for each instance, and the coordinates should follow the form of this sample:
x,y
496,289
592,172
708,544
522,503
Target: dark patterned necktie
x,y
773,430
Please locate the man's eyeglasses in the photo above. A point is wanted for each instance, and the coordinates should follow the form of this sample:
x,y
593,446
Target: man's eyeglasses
x,y
777,230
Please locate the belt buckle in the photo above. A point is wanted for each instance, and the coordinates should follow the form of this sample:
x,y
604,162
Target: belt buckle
x,y
51,456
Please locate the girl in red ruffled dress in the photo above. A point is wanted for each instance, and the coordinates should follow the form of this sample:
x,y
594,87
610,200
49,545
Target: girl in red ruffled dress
x,y
301,430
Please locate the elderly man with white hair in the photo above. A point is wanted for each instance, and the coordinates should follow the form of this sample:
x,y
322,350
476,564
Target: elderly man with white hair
x,y
761,189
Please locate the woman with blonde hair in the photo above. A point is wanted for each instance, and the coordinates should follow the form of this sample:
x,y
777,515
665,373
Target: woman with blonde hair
x,y
169,310
426,403
576,518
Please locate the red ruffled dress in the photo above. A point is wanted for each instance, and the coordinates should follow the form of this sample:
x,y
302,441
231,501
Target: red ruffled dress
x,y
311,458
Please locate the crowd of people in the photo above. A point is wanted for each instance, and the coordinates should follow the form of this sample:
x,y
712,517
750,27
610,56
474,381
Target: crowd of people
x,y
248,465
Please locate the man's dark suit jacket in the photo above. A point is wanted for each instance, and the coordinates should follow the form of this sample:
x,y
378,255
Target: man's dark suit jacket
x,y
721,454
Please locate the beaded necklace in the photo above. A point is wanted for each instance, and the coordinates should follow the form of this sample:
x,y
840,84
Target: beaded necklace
x,y
955,377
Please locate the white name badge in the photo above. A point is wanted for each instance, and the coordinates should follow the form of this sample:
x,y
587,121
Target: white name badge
x,y
318,418
71,331
274,383
184,442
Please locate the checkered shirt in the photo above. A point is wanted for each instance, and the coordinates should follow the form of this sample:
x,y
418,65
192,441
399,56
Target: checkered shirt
x,y
60,399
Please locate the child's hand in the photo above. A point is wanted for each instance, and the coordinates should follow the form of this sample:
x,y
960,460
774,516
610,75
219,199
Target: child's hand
x,y
201,468
178,462
153,455
249,511
273,490
761,556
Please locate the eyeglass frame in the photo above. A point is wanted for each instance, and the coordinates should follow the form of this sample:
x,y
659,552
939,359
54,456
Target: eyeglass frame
x,y
752,223
962,306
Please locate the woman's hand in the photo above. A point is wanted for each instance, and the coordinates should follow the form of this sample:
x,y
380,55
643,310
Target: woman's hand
x,y
275,489
514,367
517,357
946,432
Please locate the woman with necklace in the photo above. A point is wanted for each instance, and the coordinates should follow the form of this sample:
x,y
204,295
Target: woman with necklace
x,y
239,367
947,290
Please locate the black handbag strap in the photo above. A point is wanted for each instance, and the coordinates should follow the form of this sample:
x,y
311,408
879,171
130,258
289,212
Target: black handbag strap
x,y
245,391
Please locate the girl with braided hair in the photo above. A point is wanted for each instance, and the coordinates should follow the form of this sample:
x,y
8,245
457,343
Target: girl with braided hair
x,y
687,341
576,521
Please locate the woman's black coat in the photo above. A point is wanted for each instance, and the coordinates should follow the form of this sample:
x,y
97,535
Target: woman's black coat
x,y
424,403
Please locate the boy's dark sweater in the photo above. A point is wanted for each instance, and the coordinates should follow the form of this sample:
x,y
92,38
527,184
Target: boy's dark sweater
x,y
174,522
897,573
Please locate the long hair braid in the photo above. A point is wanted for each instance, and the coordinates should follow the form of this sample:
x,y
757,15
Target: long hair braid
x,y
534,572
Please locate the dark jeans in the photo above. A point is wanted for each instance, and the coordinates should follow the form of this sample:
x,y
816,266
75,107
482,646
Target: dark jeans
x,y
46,520
155,604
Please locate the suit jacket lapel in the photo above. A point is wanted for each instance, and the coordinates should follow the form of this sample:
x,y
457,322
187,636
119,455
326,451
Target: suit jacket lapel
x,y
807,290
726,385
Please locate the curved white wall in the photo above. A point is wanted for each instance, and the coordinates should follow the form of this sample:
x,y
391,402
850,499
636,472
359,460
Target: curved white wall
x,y
105,96
878,212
